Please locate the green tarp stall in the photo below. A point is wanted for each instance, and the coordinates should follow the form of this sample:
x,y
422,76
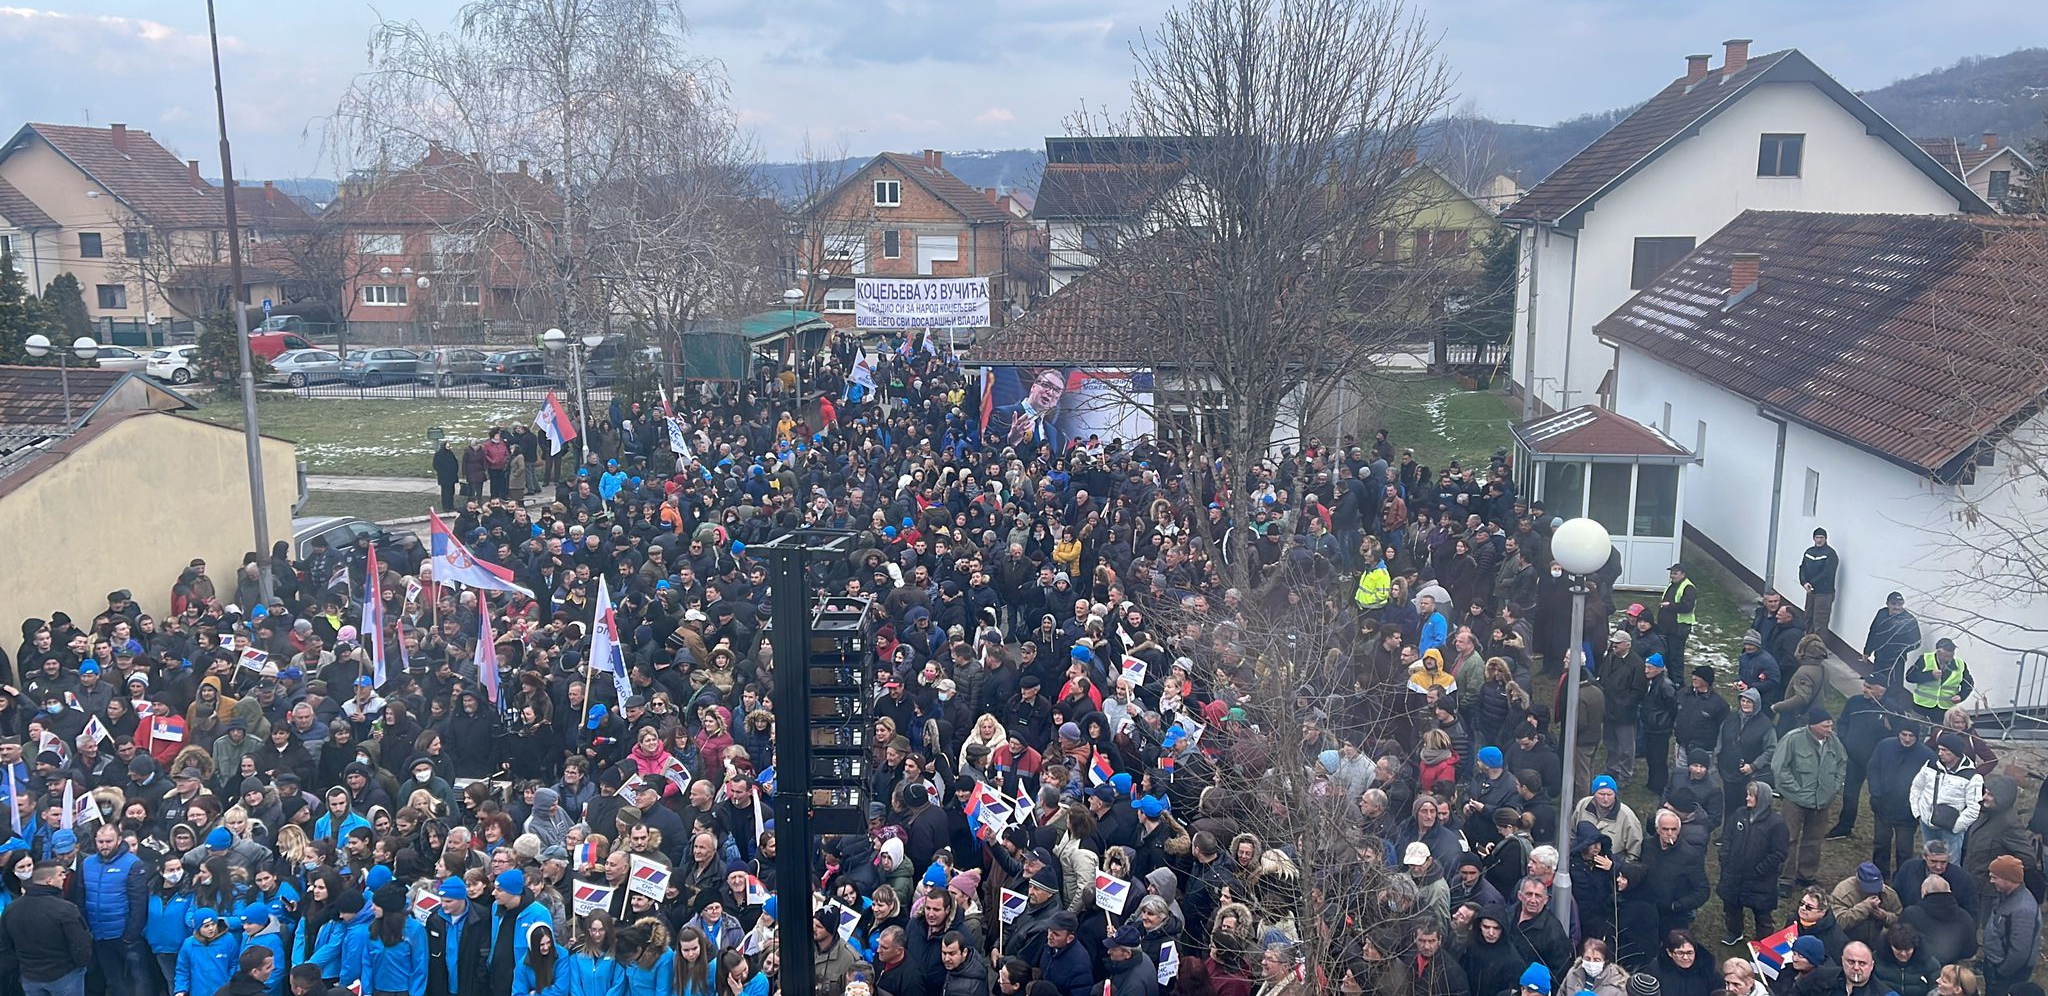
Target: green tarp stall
x,y
713,355
719,349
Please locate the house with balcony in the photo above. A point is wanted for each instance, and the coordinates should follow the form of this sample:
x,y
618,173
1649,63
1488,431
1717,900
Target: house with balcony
x,y
1770,132
439,251
901,215
144,234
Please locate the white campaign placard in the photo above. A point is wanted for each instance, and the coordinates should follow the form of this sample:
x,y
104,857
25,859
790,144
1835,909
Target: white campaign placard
x,y
920,302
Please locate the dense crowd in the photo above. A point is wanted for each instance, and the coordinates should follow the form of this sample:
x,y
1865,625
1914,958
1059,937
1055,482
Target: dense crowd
x,y
244,796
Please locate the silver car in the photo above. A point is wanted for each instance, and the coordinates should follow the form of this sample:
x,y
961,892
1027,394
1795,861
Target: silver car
x,y
381,365
299,367
113,357
451,365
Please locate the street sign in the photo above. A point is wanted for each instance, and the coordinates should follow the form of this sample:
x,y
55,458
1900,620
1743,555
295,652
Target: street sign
x,y
266,307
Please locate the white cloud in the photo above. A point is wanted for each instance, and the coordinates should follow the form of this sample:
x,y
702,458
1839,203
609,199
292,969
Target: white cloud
x,y
995,115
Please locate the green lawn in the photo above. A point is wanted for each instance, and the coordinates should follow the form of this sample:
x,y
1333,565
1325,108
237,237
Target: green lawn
x,y
369,438
1442,421
376,506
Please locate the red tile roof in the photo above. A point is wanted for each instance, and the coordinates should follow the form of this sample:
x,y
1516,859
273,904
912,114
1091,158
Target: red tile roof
x,y
443,188
1084,322
1958,156
1590,430
18,209
1674,114
971,203
1911,336
145,176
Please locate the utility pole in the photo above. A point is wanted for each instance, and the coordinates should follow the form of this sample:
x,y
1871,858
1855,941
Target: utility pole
x,y
258,503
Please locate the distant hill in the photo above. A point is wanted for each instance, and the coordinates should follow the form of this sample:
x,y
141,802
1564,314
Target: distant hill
x,y
1003,169
2007,94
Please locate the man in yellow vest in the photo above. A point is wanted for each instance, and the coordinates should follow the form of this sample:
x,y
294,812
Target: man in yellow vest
x,y
1939,680
1675,616
1375,586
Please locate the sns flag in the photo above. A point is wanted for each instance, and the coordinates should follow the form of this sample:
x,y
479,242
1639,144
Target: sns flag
x,y
1111,892
453,563
554,422
1771,953
987,813
424,904
590,896
649,878
605,652
1013,904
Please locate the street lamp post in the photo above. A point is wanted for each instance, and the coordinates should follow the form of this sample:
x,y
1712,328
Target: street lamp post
x,y
83,347
1580,546
557,340
796,347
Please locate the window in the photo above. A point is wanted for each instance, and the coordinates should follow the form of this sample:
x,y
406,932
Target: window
x,y
1666,424
1987,455
453,245
1564,489
384,294
1809,505
2001,184
1699,441
89,245
1608,499
933,249
1778,155
380,243
892,243
888,193
1451,242
505,300
113,297
839,301
469,294
135,244
1656,500
1654,255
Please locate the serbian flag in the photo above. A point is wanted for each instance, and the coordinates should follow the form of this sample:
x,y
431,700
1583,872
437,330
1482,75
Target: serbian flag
x,y
554,422
587,855
605,652
757,894
986,811
1771,953
373,618
1099,769
453,563
988,395
487,657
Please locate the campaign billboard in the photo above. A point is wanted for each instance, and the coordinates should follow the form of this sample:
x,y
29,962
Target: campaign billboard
x,y
920,302
1031,408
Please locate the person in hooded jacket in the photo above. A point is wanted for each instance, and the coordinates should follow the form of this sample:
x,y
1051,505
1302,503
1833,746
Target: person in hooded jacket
x,y
1754,847
1746,746
209,957
1684,967
1891,770
1488,958
1997,831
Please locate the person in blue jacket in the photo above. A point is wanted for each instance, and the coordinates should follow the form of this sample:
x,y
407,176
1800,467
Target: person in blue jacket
x,y
209,958
395,957
358,915
537,974
322,924
115,887
592,965
163,927
261,929
512,913
455,935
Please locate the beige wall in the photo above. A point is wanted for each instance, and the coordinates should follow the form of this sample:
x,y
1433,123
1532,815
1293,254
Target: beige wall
x,y
77,532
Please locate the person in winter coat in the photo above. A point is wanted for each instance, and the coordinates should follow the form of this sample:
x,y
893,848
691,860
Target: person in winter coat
x,y
395,959
1948,931
1746,745
1489,959
1997,831
1808,771
1813,918
1595,971
1903,965
966,968
43,937
1947,795
1676,873
2012,933
1129,972
1701,712
1864,906
209,957
1753,850
1658,717
1683,968
1893,769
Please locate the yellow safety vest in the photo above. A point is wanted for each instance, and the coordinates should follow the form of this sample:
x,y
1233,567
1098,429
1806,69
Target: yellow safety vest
x,y
1936,694
1678,595
1375,587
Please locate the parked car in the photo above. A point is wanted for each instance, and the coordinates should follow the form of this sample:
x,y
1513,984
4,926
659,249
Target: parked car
x,y
113,357
304,366
451,365
271,345
340,531
285,323
602,365
515,367
383,365
172,363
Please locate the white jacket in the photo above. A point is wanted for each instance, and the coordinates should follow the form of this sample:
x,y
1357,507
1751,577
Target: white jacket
x,y
1962,788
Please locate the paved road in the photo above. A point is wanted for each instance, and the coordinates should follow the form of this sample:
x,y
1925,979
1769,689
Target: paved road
x,y
402,485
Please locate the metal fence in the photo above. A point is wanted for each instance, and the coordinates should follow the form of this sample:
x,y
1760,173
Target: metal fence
x,y
139,334
533,389
2028,715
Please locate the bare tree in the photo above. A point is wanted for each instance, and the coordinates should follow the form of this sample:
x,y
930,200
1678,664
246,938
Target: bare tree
x,y
828,235
599,102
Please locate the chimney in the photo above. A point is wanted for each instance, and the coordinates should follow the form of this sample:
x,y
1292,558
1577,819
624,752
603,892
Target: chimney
x,y
192,174
934,158
990,193
1407,157
522,167
1007,203
120,132
1696,67
1990,141
1743,271
1737,55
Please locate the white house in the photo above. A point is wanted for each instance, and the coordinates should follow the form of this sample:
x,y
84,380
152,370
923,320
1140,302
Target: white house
x,y
1873,376
1097,190
1769,133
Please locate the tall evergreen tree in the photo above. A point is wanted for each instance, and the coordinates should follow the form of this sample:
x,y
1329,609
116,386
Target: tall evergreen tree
x,y
20,315
64,299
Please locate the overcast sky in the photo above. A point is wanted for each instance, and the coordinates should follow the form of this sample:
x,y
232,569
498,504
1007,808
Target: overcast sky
x,y
871,75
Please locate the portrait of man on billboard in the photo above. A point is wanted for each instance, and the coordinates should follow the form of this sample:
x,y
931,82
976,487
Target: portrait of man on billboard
x,y
1033,420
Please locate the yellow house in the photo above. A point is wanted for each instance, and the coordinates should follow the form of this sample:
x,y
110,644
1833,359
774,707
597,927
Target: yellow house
x,y
120,492
144,233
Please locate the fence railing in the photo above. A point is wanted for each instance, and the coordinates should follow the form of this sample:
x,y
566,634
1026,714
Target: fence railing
x,y
533,389
2029,707
137,333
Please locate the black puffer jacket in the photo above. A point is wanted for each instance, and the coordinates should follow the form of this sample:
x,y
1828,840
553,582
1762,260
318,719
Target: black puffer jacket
x,y
1753,850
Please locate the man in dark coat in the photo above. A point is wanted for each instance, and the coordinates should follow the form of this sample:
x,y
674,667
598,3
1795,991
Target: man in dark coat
x,y
1535,932
1753,851
1676,873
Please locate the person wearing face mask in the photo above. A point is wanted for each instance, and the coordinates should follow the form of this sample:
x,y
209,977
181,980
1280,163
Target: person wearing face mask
x,y
425,775
59,718
163,926
1595,972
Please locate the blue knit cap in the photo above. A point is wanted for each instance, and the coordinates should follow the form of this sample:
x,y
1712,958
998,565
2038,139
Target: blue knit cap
x,y
1536,976
219,839
376,878
935,876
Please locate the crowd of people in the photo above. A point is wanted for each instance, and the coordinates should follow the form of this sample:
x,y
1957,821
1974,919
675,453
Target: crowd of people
x,y
313,795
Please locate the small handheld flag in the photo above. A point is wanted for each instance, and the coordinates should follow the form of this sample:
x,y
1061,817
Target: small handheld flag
x,y
649,878
94,729
554,422
1771,953
1013,904
605,651
487,658
757,894
253,659
1111,892
1099,769
587,855
424,905
591,896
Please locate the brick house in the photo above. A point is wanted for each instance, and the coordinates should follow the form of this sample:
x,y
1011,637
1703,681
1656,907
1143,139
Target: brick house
x,y
900,215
